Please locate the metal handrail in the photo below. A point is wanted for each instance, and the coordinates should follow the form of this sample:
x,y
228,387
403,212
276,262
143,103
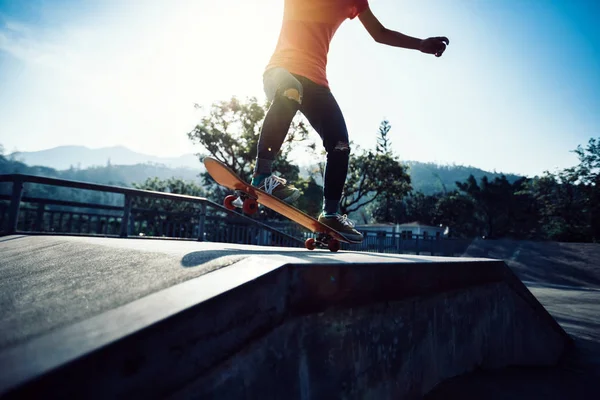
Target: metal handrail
x,y
16,198
98,187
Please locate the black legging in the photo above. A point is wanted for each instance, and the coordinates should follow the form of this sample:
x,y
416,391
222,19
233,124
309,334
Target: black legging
x,y
325,116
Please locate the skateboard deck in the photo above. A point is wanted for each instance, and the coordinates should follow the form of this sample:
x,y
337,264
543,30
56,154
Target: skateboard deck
x,y
223,175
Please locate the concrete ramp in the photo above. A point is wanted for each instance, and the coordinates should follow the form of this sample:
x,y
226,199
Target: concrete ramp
x,y
258,323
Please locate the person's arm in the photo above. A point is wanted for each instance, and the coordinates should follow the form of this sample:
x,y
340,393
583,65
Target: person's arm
x,y
434,45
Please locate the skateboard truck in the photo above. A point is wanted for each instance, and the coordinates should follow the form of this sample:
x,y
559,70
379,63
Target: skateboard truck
x,y
249,204
323,241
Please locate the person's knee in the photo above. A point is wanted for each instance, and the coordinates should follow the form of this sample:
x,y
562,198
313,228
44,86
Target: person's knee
x,y
293,94
342,146
339,152
291,88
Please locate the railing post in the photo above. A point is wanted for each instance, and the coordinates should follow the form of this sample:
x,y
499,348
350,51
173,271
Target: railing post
x,y
201,221
126,216
40,217
380,241
417,245
15,205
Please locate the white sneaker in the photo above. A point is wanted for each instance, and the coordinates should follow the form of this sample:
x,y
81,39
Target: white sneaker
x,y
278,187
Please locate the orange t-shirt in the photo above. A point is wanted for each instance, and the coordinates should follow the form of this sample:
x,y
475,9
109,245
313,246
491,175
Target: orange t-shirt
x,y
307,29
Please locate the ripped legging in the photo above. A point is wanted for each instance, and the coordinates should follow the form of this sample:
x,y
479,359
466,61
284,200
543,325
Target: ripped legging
x,y
290,93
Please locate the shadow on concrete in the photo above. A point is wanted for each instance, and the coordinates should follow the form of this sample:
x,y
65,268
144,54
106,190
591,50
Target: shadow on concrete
x,y
232,255
6,239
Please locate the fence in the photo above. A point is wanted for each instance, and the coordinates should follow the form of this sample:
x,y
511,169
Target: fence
x,y
192,218
144,213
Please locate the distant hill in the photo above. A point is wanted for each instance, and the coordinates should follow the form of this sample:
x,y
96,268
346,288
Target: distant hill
x,y
431,178
118,175
122,166
65,157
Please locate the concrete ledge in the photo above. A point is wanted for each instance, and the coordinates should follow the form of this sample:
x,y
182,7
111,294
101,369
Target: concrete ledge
x,y
278,327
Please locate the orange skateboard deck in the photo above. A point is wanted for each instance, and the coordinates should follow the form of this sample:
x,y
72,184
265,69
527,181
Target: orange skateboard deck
x,y
223,175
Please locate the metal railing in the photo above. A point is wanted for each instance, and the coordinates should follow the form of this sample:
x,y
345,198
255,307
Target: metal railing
x,y
190,218
201,219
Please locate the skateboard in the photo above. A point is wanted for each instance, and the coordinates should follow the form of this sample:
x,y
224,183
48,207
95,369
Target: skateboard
x,y
251,196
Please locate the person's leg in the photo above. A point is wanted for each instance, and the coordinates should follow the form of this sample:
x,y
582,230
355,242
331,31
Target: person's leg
x,y
325,116
285,92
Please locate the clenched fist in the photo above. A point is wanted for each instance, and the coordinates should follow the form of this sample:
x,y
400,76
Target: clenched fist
x,y
434,45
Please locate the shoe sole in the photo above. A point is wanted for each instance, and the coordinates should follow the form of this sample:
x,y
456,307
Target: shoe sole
x,y
351,237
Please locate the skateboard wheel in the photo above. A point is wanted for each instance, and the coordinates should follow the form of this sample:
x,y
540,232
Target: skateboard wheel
x,y
228,202
333,245
250,206
310,244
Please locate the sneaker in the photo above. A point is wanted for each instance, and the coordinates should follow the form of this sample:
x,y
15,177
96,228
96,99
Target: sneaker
x,y
278,187
343,225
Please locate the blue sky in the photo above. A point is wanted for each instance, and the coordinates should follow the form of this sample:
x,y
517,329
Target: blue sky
x,y
516,90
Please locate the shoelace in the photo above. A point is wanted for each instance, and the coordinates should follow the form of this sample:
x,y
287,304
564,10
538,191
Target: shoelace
x,y
272,182
343,219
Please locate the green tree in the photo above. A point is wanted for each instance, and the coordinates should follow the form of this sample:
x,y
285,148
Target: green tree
x,y
171,185
384,144
372,175
568,200
587,176
587,172
154,212
503,209
456,210
311,201
389,207
421,208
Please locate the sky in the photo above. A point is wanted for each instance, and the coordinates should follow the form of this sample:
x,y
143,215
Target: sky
x,y
516,91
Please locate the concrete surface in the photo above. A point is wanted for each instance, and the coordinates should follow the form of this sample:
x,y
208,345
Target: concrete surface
x,y
47,282
112,318
577,310
548,263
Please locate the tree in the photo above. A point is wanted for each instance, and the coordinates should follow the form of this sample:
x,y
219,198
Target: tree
x,y
155,213
372,175
587,178
389,205
421,208
3,159
501,208
384,144
588,170
568,200
457,211
311,201
171,185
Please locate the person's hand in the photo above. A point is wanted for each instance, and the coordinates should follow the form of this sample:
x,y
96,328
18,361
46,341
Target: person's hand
x,y
434,45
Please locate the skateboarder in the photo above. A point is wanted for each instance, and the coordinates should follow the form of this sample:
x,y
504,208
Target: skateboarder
x,y
295,80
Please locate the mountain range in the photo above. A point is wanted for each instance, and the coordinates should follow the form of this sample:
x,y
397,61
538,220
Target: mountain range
x,y
120,165
80,157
